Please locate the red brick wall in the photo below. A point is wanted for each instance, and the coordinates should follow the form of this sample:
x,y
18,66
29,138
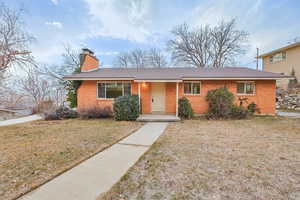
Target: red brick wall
x,y
264,95
87,96
145,95
170,98
90,63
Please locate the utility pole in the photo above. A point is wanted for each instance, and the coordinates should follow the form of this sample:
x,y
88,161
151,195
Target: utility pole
x,y
257,53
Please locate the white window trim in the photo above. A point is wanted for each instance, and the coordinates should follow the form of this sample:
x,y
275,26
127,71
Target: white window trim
x,y
193,82
282,58
242,94
101,98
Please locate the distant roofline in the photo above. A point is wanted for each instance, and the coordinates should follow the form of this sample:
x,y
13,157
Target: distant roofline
x,y
279,50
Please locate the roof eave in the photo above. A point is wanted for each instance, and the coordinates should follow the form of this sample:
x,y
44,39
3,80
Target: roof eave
x,y
96,78
175,80
279,50
236,78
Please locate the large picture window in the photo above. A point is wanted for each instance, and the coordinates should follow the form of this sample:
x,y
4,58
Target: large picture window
x,y
111,90
192,87
245,87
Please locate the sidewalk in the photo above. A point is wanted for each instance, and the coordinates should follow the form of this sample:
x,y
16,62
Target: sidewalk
x,y
20,120
288,114
98,174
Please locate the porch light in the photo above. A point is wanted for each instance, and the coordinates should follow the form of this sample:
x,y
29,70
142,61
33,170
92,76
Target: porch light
x,y
144,84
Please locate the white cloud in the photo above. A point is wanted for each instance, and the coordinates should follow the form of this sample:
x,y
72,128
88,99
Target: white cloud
x,y
122,19
55,2
58,25
107,53
250,17
148,23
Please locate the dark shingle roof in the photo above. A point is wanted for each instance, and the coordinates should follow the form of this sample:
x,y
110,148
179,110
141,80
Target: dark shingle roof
x,y
173,73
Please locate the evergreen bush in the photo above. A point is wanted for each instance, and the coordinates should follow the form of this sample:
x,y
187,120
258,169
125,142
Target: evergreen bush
x,y
220,102
185,110
253,108
238,112
126,108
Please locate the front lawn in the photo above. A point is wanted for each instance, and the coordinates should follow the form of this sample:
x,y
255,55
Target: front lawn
x,y
199,159
34,152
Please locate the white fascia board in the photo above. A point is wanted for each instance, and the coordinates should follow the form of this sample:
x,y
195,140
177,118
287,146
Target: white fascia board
x,y
246,78
150,80
95,79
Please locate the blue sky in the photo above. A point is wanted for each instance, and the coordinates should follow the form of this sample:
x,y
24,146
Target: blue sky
x,y
112,26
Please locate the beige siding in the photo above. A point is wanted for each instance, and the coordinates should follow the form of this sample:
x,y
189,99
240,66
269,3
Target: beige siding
x,y
292,61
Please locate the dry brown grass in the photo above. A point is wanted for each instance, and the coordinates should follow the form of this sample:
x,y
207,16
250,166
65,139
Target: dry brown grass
x,y
34,152
199,159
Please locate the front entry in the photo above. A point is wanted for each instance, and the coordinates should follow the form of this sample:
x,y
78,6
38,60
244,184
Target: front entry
x,y
158,97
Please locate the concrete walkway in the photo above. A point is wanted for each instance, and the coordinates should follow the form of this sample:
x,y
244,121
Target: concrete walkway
x,y
99,173
288,114
20,120
157,118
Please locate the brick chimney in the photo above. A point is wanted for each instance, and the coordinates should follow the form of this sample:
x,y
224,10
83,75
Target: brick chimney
x,y
88,62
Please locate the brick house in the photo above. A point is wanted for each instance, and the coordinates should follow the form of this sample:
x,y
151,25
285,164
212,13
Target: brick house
x,y
160,88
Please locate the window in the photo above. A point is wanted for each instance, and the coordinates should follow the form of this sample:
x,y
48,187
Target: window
x,y
245,88
192,87
278,57
112,90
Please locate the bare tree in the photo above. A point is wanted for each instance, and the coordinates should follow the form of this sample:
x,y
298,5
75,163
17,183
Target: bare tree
x,y
138,58
70,62
191,47
123,60
141,58
61,87
14,40
156,58
227,43
207,46
35,86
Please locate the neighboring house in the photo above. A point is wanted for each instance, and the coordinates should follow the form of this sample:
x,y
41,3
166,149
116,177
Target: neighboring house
x,y
283,60
160,88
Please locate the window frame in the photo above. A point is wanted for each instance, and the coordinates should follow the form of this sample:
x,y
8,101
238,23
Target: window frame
x,y
245,82
193,82
105,82
272,58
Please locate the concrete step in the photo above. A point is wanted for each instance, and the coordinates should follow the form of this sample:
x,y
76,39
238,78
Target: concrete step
x,y
158,118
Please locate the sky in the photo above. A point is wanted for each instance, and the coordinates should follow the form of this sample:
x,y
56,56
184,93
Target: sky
x,y
109,27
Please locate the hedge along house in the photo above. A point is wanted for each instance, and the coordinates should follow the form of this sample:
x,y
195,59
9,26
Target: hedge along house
x,y
160,88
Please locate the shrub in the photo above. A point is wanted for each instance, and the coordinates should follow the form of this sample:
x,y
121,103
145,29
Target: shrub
x,y
220,102
253,108
185,110
95,112
51,116
126,108
72,89
66,113
60,113
238,112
